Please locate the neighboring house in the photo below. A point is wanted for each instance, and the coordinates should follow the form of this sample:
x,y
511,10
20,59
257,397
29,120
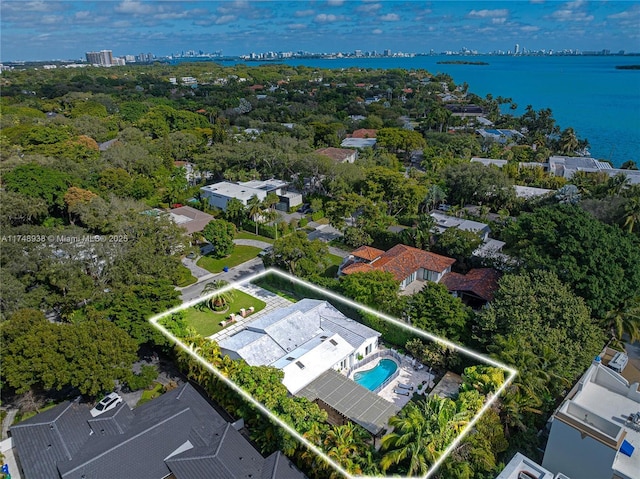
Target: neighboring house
x,y
529,192
567,166
219,194
358,143
444,222
464,109
178,435
476,288
520,466
599,423
189,218
407,264
499,135
339,155
304,340
363,133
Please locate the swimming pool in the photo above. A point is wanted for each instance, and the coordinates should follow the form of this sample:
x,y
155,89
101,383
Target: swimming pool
x,y
372,378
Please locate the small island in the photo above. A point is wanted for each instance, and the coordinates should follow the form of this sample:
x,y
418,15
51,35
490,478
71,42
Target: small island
x,y
461,62
627,67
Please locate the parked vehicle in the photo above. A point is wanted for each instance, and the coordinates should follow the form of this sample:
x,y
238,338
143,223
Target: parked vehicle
x,y
107,403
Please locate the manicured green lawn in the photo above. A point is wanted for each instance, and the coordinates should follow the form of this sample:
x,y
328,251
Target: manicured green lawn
x,y
252,236
149,394
240,255
206,322
332,270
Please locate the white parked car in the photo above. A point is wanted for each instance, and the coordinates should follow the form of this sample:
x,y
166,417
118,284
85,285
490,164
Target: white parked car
x,y
106,403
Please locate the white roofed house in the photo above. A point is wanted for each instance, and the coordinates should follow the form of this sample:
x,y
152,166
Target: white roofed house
x,y
219,194
304,340
595,433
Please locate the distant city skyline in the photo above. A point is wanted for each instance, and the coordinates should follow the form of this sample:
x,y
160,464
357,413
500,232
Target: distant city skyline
x,y
50,29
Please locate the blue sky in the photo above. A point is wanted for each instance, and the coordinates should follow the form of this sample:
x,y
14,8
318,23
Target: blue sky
x,y
50,29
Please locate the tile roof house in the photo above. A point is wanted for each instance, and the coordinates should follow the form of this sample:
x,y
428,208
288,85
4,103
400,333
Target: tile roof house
x,y
476,288
339,155
304,340
177,435
364,133
407,264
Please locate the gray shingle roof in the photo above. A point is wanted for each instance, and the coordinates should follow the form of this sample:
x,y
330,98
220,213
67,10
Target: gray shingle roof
x,y
142,443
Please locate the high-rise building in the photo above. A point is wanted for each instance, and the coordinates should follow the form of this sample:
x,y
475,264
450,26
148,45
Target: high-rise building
x,y
93,58
516,50
104,58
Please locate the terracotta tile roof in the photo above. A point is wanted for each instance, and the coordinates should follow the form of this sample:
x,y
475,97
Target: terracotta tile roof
x,y
367,252
482,282
337,154
364,133
402,261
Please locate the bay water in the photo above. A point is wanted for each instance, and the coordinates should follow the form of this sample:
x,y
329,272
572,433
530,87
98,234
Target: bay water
x,y
588,93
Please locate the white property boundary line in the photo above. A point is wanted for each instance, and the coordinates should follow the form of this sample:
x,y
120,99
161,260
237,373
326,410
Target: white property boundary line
x,y
492,398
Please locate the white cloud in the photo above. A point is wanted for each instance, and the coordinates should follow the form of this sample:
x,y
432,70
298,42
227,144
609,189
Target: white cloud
x,y
529,28
296,26
390,17
498,21
225,19
335,3
82,15
633,12
377,31
134,8
502,12
369,7
304,13
328,18
572,12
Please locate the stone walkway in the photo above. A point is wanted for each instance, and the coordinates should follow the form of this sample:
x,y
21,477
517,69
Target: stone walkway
x,y
272,300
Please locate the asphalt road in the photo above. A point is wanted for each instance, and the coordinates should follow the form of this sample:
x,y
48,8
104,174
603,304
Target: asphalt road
x,y
236,273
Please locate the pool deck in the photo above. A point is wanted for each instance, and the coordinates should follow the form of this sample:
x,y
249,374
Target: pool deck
x,y
408,375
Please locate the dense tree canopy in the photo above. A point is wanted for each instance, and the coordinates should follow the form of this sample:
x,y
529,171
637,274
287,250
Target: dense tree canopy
x,y
600,262
88,356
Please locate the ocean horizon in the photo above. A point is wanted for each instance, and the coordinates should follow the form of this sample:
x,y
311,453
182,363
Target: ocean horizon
x,y
588,93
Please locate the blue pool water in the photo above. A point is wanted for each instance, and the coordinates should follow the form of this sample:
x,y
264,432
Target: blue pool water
x,y
372,378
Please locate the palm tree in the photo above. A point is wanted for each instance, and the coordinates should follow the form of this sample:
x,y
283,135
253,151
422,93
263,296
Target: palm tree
x,y
435,196
421,433
631,209
624,320
220,299
254,208
568,142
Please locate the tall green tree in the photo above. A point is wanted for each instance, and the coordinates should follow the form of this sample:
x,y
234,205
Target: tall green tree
x,y
220,234
600,262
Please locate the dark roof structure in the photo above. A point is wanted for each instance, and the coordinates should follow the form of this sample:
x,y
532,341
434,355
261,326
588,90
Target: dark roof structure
x,y
179,433
481,283
351,400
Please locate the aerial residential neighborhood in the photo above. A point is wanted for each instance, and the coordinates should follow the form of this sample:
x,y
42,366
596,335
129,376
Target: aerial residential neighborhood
x,y
321,267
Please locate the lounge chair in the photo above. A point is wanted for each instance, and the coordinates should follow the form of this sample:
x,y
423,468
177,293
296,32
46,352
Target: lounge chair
x,y
405,386
401,392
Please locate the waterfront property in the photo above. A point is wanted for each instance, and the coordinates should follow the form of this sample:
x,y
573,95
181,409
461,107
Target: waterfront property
x,y
567,166
407,264
304,340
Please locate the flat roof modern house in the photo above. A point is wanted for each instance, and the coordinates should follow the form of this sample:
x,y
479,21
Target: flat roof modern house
x,y
178,435
595,432
219,194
